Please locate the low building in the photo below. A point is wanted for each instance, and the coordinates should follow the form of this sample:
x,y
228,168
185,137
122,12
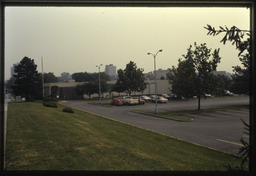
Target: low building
x,y
66,91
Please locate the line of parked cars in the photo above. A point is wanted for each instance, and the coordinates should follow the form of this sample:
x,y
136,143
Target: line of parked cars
x,y
128,100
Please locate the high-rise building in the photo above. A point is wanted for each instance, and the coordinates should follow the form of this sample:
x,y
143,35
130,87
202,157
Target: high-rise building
x,y
111,71
12,69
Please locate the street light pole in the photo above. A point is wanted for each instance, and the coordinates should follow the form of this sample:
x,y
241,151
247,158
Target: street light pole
x,y
154,55
99,84
42,62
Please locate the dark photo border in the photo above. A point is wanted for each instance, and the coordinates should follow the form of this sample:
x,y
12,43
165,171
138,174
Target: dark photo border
x,y
133,3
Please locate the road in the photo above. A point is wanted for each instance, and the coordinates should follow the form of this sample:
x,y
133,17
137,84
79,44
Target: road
x,y
220,130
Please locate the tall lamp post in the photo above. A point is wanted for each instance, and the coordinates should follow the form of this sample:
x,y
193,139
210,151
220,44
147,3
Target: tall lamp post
x,y
99,84
154,55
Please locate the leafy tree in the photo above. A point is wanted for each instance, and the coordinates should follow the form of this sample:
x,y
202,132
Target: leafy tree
x,y
27,80
49,77
64,77
240,83
193,76
9,83
223,84
86,77
103,76
240,80
120,83
88,88
131,79
81,77
91,87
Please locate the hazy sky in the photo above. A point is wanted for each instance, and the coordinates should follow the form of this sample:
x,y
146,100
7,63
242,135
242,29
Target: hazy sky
x,y
76,39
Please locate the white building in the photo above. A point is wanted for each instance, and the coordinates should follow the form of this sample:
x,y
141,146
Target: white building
x,y
159,74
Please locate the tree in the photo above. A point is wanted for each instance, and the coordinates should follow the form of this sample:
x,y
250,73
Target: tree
x,y
87,88
64,77
193,76
27,80
81,77
240,80
86,77
120,83
49,77
9,83
223,84
131,79
92,87
240,83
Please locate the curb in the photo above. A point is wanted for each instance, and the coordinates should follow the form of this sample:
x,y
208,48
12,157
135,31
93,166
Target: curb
x,y
162,117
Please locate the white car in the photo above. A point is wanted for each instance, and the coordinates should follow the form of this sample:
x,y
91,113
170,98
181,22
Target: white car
x,y
144,97
159,99
127,100
166,96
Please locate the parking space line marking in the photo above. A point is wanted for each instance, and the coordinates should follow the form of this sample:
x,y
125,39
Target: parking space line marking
x,y
197,116
217,115
229,142
239,111
224,112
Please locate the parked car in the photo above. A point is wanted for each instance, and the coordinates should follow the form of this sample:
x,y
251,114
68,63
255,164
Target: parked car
x,y
159,99
207,95
117,102
228,93
152,97
128,100
144,97
140,100
165,96
173,96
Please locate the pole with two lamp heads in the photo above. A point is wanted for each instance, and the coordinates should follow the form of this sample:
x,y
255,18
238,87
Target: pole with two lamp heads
x,y
154,55
99,84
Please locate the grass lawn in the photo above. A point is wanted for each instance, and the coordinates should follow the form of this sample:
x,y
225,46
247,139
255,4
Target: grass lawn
x,y
42,138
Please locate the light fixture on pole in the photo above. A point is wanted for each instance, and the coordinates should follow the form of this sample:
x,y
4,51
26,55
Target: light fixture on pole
x,y
154,55
99,84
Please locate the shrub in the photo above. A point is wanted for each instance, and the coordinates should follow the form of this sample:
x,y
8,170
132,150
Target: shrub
x,y
49,98
48,101
50,104
70,110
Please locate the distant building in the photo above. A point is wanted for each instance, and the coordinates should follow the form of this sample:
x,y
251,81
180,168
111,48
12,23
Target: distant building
x,y
12,69
222,73
111,71
159,74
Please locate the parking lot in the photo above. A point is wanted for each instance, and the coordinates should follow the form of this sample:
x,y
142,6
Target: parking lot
x,y
219,130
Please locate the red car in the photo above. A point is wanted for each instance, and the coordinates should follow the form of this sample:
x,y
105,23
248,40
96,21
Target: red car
x,y
141,101
117,102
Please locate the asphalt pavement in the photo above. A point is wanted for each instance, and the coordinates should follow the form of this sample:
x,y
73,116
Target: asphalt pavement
x,y
219,130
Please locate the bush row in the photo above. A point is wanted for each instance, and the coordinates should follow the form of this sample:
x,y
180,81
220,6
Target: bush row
x,y
48,101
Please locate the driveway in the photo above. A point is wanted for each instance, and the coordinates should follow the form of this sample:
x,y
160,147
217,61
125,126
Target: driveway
x,y
220,130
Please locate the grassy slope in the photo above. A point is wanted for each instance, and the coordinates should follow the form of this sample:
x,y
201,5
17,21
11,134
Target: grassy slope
x,y
49,139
